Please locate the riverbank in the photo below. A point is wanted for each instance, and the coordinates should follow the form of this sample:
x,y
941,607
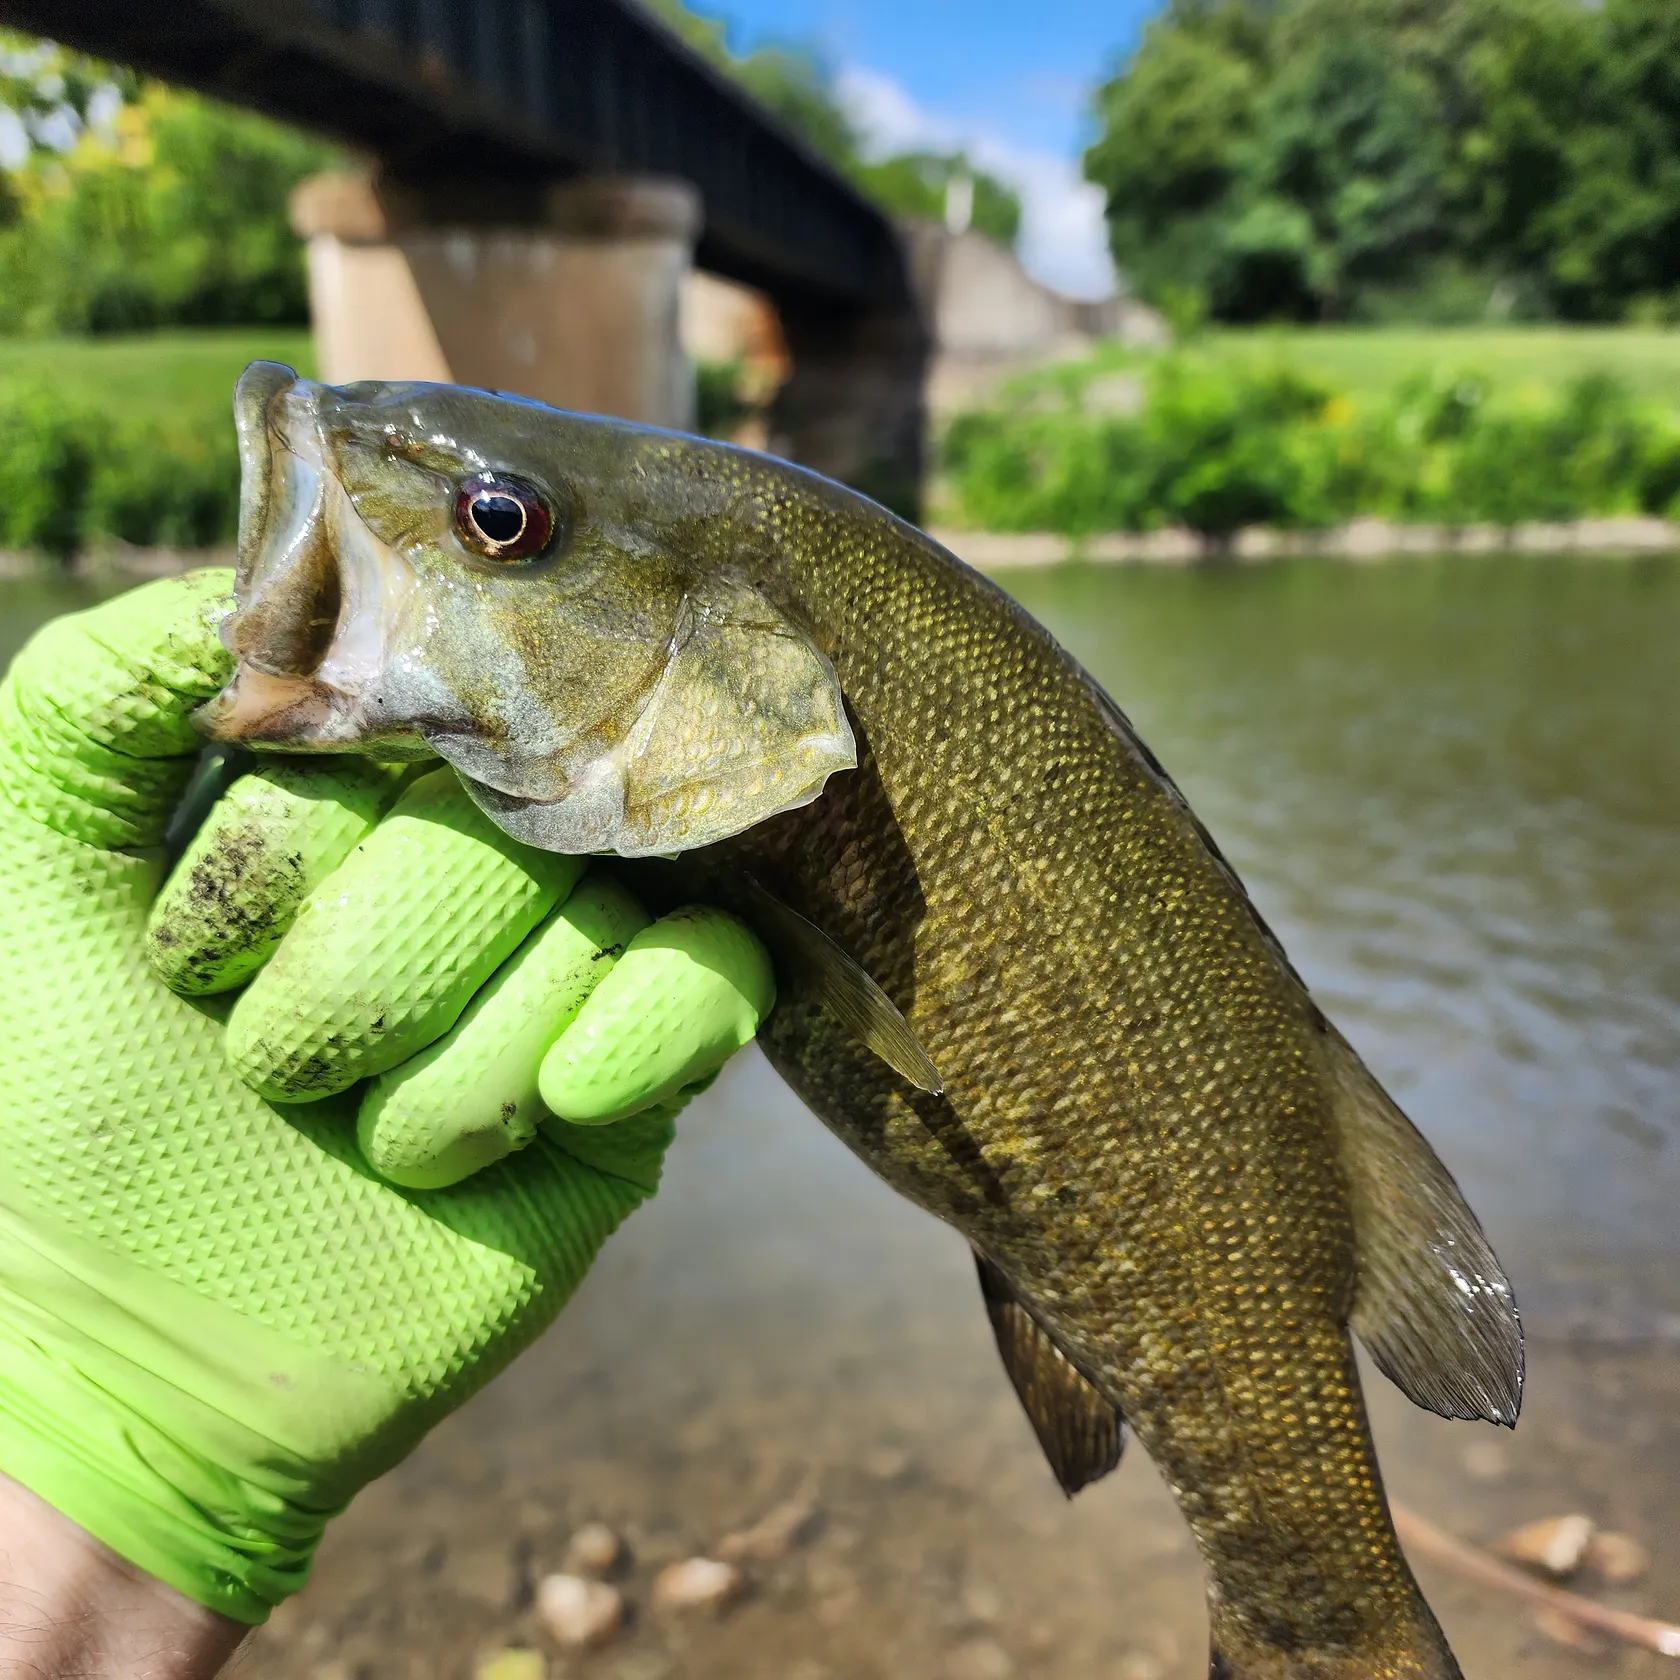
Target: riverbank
x,y
1359,540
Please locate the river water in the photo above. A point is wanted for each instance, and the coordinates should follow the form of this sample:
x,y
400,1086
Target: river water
x,y
1453,788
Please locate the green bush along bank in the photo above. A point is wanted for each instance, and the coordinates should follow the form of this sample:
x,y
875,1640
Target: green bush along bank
x,y
1218,444
124,440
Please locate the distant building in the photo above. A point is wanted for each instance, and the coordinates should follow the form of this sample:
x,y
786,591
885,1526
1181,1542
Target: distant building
x,y
989,319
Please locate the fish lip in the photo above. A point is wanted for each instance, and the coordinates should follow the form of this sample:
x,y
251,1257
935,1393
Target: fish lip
x,y
259,387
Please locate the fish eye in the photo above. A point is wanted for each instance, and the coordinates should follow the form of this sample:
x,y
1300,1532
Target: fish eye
x,y
502,517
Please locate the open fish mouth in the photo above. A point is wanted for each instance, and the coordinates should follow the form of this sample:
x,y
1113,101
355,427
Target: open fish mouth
x,y
315,590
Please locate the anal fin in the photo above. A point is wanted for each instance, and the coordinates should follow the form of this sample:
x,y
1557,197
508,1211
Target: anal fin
x,y
1081,1433
1433,1306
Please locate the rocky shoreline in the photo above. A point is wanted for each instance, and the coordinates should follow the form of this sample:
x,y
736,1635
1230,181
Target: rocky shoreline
x,y
1360,540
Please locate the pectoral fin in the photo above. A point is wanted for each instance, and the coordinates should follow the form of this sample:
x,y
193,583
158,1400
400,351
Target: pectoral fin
x,y
843,986
1433,1305
1081,1433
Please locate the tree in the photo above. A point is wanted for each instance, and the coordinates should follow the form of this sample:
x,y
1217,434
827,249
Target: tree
x,y
1349,156
1174,123
918,184
1338,187
140,207
797,84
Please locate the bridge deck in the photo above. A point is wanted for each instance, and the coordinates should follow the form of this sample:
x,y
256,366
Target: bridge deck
x,y
483,100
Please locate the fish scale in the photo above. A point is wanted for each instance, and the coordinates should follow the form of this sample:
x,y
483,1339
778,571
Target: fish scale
x,y
1016,976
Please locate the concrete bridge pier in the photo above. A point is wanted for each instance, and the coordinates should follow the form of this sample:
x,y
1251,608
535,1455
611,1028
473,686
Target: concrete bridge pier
x,y
854,407
578,309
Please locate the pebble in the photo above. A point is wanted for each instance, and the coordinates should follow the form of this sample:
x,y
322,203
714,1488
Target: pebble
x,y
1554,1545
1140,1665
887,1464
1565,1630
595,1550
699,1583
1616,1559
979,1659
579,1613
511,1664
770,1538
1487,1461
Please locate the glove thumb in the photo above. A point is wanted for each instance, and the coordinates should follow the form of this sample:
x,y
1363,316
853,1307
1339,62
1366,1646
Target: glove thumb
x,y
96,739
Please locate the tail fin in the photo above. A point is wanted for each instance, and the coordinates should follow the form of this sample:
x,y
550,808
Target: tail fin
x,y
1433,1307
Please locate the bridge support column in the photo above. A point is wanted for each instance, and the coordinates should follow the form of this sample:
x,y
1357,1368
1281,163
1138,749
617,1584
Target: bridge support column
x,y
854,407
580,310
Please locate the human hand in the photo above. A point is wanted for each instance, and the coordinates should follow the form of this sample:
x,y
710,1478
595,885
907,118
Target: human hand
x,y
217,1321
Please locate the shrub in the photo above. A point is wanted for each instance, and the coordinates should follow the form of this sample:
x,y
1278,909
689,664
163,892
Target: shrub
x,y
71,477
1216,447
1212,449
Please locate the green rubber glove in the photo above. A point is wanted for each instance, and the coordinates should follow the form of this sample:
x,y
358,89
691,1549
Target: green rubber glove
x,y
218,1320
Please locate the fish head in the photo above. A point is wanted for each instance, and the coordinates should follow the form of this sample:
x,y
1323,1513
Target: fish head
x,y
567,609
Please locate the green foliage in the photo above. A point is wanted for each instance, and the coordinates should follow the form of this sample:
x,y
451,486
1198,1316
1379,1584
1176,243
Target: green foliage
x,y
1443,159
1339,185
72,475
159,209
797,84
916,184
794,81
718,404
1219,445
1172,130
1214,449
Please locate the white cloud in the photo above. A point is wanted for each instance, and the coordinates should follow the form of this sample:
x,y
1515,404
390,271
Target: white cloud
x,y
14,140
1062,237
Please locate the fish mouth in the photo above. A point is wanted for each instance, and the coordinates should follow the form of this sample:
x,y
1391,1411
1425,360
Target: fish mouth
x,y
310,588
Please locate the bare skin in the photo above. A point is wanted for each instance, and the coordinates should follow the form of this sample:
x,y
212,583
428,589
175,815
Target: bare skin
x,y
70,1607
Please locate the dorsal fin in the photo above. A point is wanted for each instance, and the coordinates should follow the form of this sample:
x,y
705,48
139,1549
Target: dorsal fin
x,y
843,986
1081,1433
1433,1306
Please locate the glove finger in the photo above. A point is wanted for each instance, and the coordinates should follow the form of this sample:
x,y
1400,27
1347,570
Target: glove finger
x,y
688,992
267,843
390,948
96,738
471,1098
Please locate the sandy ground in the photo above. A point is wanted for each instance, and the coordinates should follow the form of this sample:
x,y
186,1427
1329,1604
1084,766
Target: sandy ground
x,y
777,1326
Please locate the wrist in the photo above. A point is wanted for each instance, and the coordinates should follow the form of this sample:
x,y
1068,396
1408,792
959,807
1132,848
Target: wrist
x,y
69,1605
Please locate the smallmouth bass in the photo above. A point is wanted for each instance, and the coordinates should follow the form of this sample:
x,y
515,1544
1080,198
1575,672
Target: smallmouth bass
x,y
1017,977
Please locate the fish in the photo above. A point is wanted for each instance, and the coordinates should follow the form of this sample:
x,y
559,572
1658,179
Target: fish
x,y
1016,975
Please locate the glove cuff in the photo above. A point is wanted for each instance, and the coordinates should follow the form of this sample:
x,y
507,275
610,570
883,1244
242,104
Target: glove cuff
x,y
98,1463
97,1402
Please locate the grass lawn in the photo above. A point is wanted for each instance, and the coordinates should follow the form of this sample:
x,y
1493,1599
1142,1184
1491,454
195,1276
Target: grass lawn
x,y
1370,361
185,376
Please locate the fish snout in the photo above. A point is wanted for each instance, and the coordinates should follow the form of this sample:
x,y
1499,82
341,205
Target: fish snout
x,y
288,591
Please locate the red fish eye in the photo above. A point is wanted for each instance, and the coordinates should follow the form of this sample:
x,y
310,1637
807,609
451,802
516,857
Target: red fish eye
x,y
502,517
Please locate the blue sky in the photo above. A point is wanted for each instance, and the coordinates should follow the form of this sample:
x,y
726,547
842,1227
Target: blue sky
x,y
1008,78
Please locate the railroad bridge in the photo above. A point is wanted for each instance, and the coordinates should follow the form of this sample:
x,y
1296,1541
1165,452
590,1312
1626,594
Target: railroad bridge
x,y
540,175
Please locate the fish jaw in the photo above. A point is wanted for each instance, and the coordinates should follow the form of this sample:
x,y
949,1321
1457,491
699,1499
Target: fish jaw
x,y
315,592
